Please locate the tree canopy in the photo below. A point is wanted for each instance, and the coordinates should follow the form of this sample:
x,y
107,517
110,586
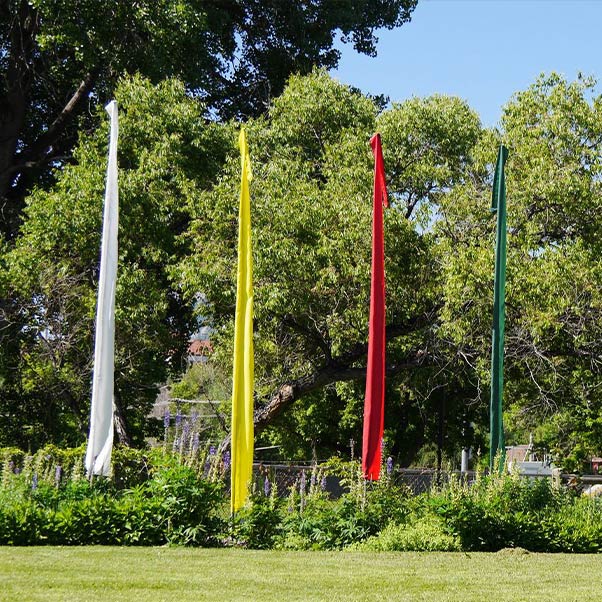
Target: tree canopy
x,y
553,273
311,215
167,153
60,57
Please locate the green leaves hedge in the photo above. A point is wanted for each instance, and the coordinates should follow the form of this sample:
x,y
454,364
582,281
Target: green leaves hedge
x,y
168,502
158,498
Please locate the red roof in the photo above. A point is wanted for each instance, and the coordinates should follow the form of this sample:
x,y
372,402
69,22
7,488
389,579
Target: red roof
x,y
198,347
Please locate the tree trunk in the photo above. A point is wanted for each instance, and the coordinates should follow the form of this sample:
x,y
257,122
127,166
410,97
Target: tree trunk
x,y
119,420
18,158
13,107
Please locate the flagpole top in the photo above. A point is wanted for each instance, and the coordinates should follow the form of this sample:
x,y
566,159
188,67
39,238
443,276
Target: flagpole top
x,y
498,177
245,160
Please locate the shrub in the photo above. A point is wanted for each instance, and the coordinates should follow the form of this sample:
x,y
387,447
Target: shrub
x,y
95,520
23,524
503,511
576,527
163,498
321,523
258,524
419,534
173,504
188,505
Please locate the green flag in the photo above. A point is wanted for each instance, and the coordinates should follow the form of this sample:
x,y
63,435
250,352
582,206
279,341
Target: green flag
x,y
498,205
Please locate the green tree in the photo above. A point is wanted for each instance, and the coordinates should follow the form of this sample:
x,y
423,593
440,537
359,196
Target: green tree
x,y
311,197
553,131
311,213
59,59
58,56
167,154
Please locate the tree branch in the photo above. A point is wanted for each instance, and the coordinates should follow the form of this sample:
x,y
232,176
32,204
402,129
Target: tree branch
x,y
338,369
14,102
40,148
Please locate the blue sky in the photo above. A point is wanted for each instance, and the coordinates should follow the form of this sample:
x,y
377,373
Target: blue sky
x,y
481,50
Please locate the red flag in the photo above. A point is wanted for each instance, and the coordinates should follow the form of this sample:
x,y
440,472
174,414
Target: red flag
x,y
374,406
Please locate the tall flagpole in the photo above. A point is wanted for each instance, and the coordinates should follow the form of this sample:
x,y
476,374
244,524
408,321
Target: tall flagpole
x,y
374,404
242,377
498,206
100,440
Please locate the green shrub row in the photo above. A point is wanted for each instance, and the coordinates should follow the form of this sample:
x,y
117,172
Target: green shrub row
x,y
159,498
173,505
489,515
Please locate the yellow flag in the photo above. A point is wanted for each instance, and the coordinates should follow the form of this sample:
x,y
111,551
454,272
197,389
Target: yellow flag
x,y
242,379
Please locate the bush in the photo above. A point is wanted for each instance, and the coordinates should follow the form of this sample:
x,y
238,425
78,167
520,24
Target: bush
x,y
163,498
258,524
316,522
23,524
487,528
576,527
508,511
173,504
419,534
187,505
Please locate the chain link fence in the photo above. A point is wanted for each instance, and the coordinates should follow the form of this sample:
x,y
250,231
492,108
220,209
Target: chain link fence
x,y
417,480
310,477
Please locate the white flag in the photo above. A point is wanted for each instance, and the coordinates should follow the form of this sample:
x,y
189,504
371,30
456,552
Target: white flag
x,y
100,441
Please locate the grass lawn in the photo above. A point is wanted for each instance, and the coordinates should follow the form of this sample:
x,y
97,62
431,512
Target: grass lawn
x,y
182,574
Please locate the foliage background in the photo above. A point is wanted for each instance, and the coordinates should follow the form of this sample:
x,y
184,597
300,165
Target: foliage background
x,y
311,224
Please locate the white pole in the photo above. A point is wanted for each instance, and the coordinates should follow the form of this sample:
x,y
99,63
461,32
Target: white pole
x,y
464,461
100,441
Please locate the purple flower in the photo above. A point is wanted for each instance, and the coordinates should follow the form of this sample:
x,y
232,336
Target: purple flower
x,y
34,481
194,416
185,431
226,460
58,471
267,487
11,466
323,484
389,465
303,482
212,450
312,480
178,417
195,442
166,418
